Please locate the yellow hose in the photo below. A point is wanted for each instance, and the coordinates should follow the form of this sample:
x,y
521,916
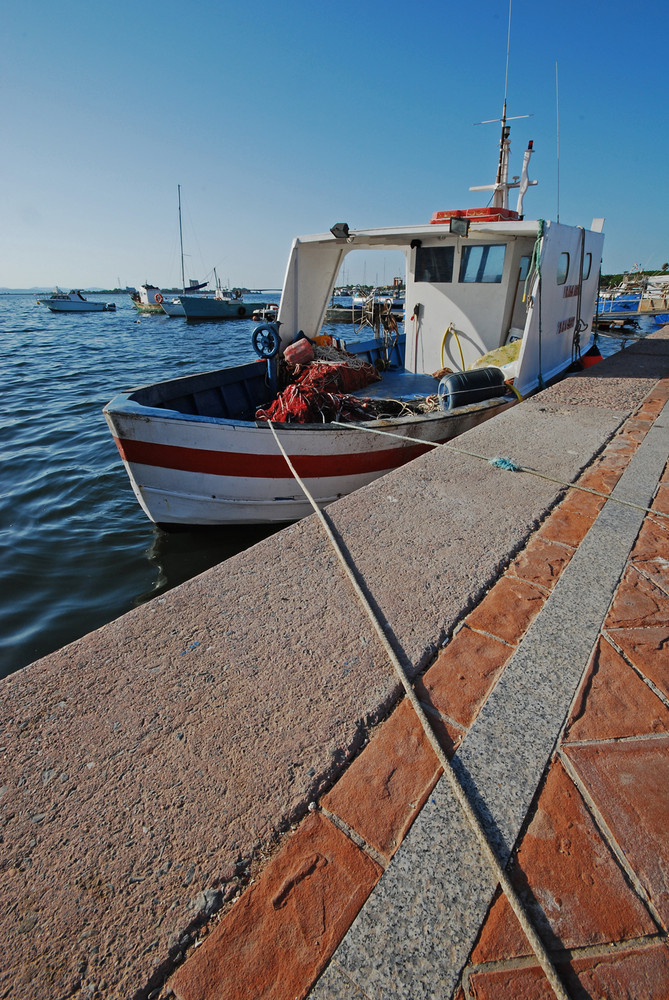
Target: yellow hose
x,y
451,329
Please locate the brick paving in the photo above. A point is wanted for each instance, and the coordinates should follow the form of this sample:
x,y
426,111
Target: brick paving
x,y
592,860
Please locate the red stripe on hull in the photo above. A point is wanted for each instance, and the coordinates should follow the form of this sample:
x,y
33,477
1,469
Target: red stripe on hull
x,y
229,463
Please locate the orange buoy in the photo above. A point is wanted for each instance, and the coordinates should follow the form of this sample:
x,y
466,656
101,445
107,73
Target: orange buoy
x,y
299,353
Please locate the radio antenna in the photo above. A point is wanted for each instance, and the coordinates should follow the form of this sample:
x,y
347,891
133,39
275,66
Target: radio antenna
x,y
557,116
508,46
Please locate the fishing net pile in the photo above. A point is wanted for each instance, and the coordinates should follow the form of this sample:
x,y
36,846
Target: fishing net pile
x,y
319,392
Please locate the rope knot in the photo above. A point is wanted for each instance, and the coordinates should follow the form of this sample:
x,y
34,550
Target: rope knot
x,y
504,463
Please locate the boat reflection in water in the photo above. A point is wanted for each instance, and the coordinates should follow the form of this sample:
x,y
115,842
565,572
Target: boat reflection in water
x,y
182,554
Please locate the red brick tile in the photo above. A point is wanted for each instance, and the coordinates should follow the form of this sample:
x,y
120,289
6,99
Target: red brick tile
x,y
599,478
657,571
501,936
638,601
582,502
629,782
650,409
620,449
383,790
566,524
661,499
614,702
635,429
574,890
633,974
508,610
660,392
513,984
463,675
278,937
542,561
648,650
652,541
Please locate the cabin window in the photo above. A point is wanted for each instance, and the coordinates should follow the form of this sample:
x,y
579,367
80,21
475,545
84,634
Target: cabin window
x,y
434,264
563,268
482,264
587,265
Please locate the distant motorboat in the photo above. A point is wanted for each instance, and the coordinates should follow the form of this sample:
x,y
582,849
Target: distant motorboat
x,y
74,301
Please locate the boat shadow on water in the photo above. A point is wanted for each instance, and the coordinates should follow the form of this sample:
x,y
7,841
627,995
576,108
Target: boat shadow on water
x,y
184,551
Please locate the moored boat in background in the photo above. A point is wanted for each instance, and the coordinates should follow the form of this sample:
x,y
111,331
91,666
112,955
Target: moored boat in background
x,y
147,299
73,301
223,304
267,313
174,307
494,298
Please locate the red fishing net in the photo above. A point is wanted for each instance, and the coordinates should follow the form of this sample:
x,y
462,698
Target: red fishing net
x,y
319,394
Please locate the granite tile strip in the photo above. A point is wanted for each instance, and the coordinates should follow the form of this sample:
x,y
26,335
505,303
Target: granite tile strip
x,y
433,897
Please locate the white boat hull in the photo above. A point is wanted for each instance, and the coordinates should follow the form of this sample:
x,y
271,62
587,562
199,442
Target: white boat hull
x,y
188,471
72,307
173,308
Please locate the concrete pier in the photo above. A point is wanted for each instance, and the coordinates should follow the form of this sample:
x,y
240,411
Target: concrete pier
x,y
157,775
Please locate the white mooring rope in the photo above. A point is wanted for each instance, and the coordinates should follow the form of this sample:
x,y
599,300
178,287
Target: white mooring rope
x,y
470,813
502,463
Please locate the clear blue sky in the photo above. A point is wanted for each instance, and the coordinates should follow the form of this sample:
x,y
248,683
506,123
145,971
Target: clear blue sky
x,y
281,118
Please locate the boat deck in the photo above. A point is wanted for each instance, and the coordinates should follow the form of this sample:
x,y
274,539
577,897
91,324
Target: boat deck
x,y
232,766
401,385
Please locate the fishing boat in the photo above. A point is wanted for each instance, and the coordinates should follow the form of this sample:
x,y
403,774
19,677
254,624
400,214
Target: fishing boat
x,y
223,304
174,307
497,306
74,301
625,307
147,298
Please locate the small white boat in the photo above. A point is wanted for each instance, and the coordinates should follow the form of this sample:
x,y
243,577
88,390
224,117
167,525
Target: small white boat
x,y
74,301
266,314
491,296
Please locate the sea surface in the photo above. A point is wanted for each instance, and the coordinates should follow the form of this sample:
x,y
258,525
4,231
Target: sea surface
x,y
76,550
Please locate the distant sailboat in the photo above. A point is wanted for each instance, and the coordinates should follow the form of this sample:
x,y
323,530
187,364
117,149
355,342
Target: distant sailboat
x,y
175,308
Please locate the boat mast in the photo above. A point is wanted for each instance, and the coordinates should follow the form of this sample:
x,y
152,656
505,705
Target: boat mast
x,y
181,243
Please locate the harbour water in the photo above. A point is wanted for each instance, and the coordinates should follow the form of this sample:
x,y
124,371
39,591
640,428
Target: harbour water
x,y
76,550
